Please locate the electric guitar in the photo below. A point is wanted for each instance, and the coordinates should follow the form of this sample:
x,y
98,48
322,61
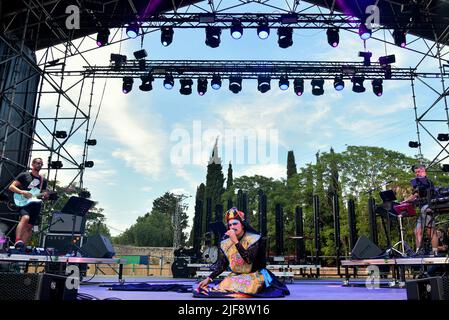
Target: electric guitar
x,y
21,201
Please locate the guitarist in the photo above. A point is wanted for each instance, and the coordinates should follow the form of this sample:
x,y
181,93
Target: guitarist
x,y
23,183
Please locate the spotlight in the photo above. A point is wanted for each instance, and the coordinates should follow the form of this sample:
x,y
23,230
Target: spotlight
x,y
169,82
263,31
56,165
443,137
386,60
284,83
366,58
147,84
317,87
339,84
445,168
235,84
399,38
141,54
285,37
103,37
263,83
333,37
202,86
364,32
414,144
88,164
298,86
213,36
60,134
186,86
142,65
236,29
127,84
378,87
91,142
132,30
84,194
118,60
166,36
216,82
358,84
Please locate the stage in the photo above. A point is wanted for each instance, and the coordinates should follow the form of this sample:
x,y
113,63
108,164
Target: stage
x,y
322,289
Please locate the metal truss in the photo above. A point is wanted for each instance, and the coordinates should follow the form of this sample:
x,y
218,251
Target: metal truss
x,y
246,69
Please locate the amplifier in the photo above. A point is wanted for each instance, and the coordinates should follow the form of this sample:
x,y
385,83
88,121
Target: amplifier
x,y
62,243
435,288
35,286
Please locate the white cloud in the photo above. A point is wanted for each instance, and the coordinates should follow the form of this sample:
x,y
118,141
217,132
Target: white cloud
x,y
275,171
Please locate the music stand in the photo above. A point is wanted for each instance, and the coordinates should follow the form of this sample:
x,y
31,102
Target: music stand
x,y
76,206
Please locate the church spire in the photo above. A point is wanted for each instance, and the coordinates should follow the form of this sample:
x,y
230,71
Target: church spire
x,y
214,157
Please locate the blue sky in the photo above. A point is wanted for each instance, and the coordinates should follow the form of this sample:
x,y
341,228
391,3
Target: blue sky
x,y
139,133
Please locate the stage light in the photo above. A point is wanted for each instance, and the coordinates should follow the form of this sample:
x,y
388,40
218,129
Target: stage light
x,y
285,35
132,30
378,87
118,60
366,58
169,82
298,86
263,31
202,86
103,37
445,168
414,144
358,84
333,37
236,29
88,164
400,39
84,194
127,84
386,60
235,84
263,83
364,32
166,36
186,86
317,87
443,137
142,65
216,82
141,54
91,142
147,84
56,165
284,83
213,36
61,134
339,84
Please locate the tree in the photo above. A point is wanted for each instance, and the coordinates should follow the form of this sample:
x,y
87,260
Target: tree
x,y
229,181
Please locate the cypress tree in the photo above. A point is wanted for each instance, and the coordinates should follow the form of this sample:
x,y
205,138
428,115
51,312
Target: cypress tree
x,y
291,165
230,180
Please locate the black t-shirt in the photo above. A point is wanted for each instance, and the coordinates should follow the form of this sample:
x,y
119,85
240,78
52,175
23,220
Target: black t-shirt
x,y
29,181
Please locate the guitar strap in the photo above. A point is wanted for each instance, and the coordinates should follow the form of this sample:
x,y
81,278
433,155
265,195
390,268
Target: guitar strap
x,y
42,183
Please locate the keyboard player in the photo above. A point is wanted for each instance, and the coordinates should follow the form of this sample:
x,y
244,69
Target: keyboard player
x,y
422,185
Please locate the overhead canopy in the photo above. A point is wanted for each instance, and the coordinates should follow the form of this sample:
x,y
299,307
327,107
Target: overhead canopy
x,y
428,19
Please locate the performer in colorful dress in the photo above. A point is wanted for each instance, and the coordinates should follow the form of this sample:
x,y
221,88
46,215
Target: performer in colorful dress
x,y
243,253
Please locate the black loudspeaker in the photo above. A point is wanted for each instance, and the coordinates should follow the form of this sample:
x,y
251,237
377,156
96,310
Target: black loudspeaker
x,y
63,223
365,249
436,288
98,246
179,268
35,286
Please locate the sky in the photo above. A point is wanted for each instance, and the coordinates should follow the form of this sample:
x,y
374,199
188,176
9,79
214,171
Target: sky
x,y
158,141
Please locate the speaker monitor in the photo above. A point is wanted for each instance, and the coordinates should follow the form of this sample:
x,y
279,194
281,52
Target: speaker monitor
x,y
35,286
98,246
365,249
435,288
62,243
